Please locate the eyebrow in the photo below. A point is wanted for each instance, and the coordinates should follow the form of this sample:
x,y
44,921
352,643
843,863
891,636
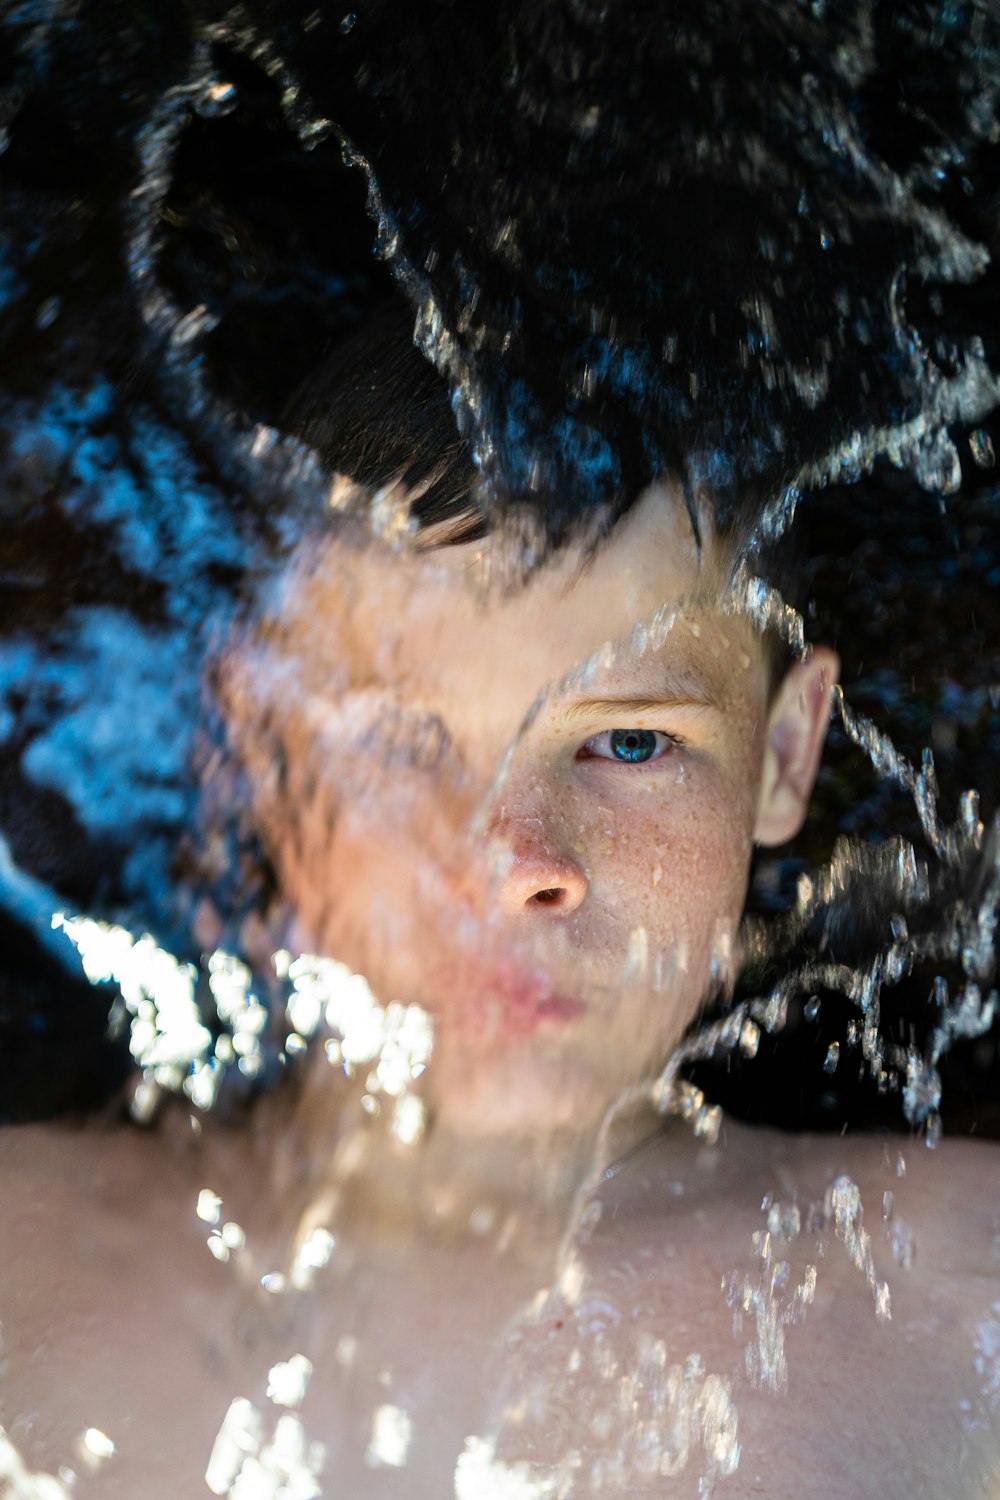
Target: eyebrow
x,y
689,697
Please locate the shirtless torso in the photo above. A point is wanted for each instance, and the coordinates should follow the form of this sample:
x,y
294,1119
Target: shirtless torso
x,y
625,1375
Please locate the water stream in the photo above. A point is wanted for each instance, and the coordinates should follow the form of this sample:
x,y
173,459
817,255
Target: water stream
x,y
749,251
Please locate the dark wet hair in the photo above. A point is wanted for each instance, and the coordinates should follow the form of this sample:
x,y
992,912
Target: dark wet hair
x,y
379,414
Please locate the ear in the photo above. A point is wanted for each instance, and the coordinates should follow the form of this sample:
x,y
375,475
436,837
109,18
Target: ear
x,y
796,729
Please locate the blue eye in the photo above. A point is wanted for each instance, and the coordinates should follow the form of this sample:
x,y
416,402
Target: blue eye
x,y
630,747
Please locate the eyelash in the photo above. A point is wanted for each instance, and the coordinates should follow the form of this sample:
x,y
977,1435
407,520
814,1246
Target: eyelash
x,y
670,742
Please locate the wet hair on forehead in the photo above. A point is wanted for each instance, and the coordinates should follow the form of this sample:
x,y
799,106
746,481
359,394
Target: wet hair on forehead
x,y
379,414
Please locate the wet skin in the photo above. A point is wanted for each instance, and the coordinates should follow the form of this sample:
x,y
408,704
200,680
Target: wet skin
x,y
506,903
116,1315
552,863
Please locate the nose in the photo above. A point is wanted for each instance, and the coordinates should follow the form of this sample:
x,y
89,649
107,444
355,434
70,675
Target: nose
x,y
530,871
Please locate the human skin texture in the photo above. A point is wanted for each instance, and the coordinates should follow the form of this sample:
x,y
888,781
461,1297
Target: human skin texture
x,y
442,779
448,809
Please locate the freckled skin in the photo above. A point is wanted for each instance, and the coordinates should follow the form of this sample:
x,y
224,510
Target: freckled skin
x,y
436,879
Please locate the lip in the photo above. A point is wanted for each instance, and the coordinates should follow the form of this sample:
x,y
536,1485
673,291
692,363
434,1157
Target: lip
x,y
519,1001
507,998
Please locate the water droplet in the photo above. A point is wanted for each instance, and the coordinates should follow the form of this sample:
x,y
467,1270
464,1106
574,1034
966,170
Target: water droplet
x,y
749,1038
784,1220
883,1303
589,1220
346,1351
392,1430
708,1123
209,1206
288,1381
316,1249
233,1236
921,1092
409,1119
637,961
981,447
96,1444
215,100
903,1245
47,313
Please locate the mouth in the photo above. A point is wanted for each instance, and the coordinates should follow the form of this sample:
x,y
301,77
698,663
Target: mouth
x,y
502,998
525,1004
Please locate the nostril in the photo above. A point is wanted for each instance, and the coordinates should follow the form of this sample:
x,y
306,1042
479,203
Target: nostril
x,y
528,878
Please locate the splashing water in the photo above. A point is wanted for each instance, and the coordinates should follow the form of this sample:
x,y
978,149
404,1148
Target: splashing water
x,y
94,1448
837,326
248,1463
545,383
176,1051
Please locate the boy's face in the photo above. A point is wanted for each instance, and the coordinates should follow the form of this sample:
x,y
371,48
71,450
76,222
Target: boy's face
x,y
555,887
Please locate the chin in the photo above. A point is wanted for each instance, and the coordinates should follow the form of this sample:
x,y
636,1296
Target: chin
x,y
520,1090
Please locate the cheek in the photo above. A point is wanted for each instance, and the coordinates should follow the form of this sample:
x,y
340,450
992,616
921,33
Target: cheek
x,y
676,860
371,890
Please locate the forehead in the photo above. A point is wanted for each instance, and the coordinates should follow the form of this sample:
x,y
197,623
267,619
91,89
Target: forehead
x,y
424,624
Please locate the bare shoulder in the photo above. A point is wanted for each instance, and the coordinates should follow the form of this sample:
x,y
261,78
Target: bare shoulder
x,y
947,1197
112,1311
890,1234
60,1173
934,1211
53,1170
788,1308
109,1166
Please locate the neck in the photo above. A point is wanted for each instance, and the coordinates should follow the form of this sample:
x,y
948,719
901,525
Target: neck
x,y
516,1191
